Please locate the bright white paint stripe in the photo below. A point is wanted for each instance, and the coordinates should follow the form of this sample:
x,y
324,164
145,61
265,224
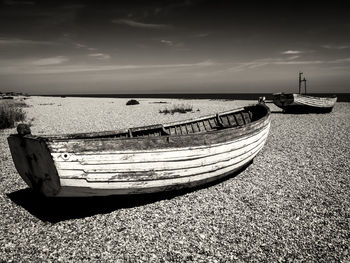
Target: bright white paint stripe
x,y
179,172
310,104
76,187
183,172
314,101
185,154
212,153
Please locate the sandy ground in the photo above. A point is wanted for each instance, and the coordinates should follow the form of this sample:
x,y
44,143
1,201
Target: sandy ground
x,y
291,204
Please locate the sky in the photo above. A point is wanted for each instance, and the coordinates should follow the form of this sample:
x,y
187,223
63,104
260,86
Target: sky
x,y
191,46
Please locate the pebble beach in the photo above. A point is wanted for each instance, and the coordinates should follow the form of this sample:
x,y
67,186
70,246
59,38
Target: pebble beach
x,y
292,204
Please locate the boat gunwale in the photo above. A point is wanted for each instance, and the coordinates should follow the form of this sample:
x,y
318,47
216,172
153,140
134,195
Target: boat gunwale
x,y
196,147
248,126
306,95
96,135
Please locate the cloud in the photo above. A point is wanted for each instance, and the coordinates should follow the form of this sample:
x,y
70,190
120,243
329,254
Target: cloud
x,y
18,41
246,65
49,61
208,62
202,35
243,66
78,45
180,46
291,52
293,57
23,2
301,62
83,46
133,23
337,47
54,65
100,56
25,68
167,42
73,6
341,60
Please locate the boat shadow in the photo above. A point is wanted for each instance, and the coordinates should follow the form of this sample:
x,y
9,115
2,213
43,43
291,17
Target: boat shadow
x,y
299,112
55,210
276,112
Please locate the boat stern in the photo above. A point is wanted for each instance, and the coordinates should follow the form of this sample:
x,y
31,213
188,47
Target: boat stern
x,y
34,163
282,99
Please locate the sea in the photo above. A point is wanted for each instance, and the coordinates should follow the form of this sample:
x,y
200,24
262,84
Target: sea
x,y
342,97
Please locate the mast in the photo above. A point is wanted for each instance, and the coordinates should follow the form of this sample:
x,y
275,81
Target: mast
x,y
300,73
304,80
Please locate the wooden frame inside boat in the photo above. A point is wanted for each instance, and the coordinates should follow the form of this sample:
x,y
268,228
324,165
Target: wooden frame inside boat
x,y
143,159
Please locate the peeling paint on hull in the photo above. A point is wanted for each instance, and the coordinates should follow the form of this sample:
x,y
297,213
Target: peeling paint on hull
x,y
144,159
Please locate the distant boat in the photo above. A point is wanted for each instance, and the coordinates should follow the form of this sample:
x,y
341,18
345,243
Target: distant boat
x,y
302,103
141,160
299,103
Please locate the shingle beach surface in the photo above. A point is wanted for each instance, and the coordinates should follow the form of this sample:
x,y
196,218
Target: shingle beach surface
x,y
292,204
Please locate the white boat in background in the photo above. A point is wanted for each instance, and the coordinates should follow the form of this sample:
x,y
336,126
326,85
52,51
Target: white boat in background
x,y
302,103
299,103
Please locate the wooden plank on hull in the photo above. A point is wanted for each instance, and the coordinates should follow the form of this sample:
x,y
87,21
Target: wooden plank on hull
x,y
167,174
158,174
156,165
76,187
315,103
169,155
131,144
163,181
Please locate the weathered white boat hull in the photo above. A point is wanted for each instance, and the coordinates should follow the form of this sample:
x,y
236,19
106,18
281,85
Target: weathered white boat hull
x,y
171,171
142,160
303,103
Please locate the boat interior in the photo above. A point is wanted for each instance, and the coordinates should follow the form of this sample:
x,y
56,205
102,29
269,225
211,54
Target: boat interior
x,y
229,119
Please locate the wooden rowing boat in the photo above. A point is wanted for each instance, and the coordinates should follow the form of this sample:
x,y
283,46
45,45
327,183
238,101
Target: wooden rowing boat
x,y
141,160
302,103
